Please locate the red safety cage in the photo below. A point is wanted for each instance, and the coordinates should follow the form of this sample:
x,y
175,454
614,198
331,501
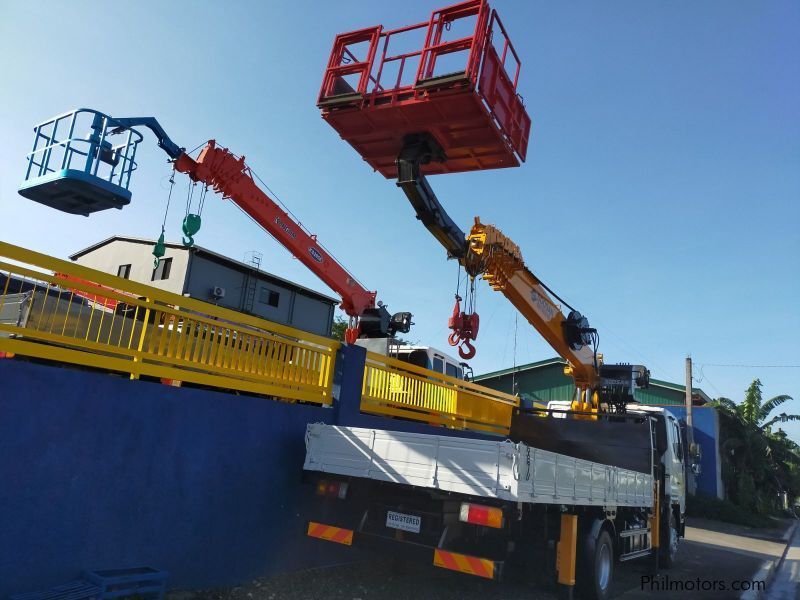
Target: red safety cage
x,y
454,77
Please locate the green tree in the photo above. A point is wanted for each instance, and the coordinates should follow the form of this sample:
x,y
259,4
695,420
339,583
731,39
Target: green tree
x,y
338,328
757,464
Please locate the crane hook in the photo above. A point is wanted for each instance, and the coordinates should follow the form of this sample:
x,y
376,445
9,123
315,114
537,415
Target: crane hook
x,y
353,331
191,225
469,352
465,328
159,250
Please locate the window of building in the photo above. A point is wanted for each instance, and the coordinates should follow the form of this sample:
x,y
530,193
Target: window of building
x,y
124,271
162,270
270,297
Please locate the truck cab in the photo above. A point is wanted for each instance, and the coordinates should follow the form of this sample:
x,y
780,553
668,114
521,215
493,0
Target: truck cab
x,y
426,357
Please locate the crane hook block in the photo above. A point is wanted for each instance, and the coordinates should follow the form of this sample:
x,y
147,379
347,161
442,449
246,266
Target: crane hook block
x,y
465,329
191,225
159,250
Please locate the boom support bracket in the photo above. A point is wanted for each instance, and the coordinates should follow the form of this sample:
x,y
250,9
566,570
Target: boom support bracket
x,y
421,149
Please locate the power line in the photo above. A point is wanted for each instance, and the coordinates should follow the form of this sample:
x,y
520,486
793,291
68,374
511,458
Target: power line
x,y
751,366
704,377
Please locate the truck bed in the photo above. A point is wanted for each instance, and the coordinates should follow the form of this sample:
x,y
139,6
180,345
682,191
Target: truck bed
x,y
503,470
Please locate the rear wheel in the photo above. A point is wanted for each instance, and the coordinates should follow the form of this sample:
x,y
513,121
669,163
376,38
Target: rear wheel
x,y
597,570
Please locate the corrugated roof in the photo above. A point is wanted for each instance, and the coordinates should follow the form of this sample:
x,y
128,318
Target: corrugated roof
x,y
556,360
520,368
211,254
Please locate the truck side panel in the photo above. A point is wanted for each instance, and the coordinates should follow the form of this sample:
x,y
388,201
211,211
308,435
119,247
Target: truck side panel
x,y
500,470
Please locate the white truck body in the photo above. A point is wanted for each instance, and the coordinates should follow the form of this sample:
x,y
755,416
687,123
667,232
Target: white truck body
x,y
502,470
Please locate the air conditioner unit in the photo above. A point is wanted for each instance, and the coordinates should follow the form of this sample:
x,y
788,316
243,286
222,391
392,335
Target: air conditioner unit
x,y
218,292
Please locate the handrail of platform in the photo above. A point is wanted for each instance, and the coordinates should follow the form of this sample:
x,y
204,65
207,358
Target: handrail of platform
x,y
395,388
70,313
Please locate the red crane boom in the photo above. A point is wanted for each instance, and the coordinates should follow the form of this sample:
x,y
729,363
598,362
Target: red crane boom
x,y
228,174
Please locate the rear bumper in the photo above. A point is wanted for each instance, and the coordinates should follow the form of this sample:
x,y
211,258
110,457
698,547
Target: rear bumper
x,y
453,561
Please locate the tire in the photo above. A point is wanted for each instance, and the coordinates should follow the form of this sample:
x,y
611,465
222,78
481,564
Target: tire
x,y
597,567
668,551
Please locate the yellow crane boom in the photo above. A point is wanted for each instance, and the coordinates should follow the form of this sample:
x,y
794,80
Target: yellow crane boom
x,y
496,258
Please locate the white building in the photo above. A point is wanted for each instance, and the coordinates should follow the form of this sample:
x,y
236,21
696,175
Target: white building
x,y
203,274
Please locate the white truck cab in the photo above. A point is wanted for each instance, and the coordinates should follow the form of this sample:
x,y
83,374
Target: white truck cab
x,y
426,357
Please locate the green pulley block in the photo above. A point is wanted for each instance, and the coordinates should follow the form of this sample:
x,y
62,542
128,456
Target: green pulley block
x,y
191,225
159,250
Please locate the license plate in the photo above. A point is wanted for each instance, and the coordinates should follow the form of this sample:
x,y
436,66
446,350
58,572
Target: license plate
x,y
397,520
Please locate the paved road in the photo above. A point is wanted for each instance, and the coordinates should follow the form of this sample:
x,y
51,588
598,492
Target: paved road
x,y
786,585
712,552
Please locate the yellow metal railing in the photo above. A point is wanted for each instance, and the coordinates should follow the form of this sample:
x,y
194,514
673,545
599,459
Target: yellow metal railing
x,y
396,388
61,311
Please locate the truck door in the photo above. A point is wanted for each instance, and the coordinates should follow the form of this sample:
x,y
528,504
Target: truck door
x,y
674,460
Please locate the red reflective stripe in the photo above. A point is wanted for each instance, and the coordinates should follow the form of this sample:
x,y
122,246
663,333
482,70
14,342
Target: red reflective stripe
x,y
330,533
449,561
477,566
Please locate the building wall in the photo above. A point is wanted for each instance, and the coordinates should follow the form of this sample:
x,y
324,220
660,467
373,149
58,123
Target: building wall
x,y
196,275
204,274
103,472
294,308
705,422
108,258
310,314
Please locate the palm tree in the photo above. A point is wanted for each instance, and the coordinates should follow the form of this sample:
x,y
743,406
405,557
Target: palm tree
x,y
754,411
757,464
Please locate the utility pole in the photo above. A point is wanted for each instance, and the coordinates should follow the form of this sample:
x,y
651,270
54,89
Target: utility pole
x,y
689,392
691,481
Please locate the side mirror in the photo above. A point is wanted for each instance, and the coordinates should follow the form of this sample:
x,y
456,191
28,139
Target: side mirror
x,y
695,455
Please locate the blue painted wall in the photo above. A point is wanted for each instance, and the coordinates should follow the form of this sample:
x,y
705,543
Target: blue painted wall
x,y
97,471
706,433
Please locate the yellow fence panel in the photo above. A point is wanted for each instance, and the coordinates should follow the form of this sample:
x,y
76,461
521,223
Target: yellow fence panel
x,y
57,310
396,388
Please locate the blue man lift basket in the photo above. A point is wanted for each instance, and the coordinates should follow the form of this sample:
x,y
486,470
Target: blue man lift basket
x,y
75,166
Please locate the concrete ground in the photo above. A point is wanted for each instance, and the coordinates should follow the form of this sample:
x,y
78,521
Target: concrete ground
x,y
713,554
786,582
717,556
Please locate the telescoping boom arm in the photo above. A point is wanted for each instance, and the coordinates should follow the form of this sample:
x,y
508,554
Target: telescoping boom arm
x,y
228,174
499,260
486,252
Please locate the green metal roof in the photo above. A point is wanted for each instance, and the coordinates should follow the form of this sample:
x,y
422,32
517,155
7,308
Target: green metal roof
x,y
680,388
560,361
519,368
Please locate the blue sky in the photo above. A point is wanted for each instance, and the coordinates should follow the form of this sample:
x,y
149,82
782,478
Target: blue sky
x,y
660,197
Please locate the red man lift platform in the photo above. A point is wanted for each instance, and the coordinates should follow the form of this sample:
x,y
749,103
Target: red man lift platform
x,y
453,77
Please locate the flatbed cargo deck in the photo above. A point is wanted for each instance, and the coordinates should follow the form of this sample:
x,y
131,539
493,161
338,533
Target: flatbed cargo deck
x,y
500,469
